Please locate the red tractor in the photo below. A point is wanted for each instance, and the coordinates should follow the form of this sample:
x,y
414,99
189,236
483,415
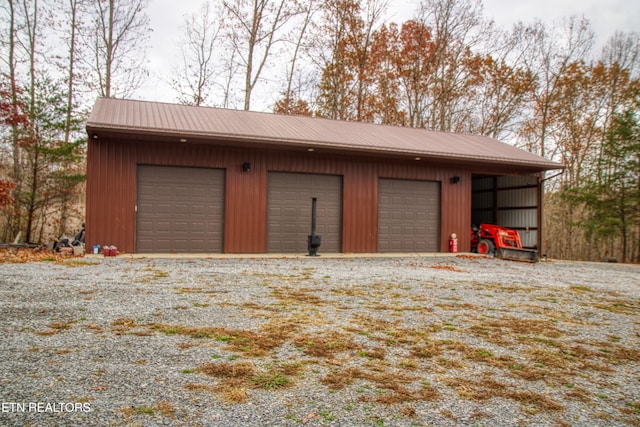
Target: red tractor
x,y
502,242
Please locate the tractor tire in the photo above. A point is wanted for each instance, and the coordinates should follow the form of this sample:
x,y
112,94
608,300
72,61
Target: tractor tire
x,y
486,247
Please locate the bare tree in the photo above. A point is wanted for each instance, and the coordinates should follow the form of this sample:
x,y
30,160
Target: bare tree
x,y
502,98
195,76
623,49
548,52
457,28
71,15
73,11
291,101
118,46
255,29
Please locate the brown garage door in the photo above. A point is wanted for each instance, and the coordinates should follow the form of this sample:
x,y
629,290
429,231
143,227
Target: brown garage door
x,y
289,211
408,216
179,210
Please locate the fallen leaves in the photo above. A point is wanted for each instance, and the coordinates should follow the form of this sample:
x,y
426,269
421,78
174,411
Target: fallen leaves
x,y
39,254
447,267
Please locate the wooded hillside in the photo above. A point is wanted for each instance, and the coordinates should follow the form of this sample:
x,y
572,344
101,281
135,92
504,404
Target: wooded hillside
x,y
540,86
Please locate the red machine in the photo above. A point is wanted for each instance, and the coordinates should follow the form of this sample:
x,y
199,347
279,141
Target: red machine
x,y
502,242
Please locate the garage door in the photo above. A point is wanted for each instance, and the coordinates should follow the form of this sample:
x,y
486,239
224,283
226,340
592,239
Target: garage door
x,y
179,210
289,211
408,216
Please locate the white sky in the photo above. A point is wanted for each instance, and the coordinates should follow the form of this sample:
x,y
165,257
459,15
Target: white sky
x,y
605,16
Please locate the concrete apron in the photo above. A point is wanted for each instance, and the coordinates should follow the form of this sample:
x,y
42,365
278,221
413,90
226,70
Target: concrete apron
x,y
288,256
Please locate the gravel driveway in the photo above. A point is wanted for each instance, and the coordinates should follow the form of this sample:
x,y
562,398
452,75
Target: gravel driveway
x,y
443,341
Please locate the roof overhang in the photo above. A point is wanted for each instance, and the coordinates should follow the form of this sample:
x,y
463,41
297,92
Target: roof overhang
x,y
157,122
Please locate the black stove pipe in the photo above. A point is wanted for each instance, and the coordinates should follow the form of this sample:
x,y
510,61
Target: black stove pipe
x,y
313,242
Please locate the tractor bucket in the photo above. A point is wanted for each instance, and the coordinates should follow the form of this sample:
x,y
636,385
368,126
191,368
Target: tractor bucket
x,y
516,254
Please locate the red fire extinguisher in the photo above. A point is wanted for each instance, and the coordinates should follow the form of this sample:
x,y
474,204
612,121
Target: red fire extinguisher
x,y
453,243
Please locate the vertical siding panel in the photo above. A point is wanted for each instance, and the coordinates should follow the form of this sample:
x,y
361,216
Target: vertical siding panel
x,y
92,221
360,208
245,223
110,209
111,190
131,197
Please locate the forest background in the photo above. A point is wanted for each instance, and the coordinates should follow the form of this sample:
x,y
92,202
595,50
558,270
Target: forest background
x,y
543,87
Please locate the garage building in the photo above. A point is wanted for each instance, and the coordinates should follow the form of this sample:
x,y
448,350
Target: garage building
x,y
166,178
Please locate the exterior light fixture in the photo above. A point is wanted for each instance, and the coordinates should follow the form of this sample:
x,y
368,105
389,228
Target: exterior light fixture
x,y
183,139
455,179
311,150
94,136
246,167
417,158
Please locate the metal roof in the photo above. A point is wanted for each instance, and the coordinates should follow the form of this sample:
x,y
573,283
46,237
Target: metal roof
x,y
204,123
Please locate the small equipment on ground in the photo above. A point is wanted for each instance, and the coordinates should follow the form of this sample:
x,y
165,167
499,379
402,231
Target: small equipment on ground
x,y
501,242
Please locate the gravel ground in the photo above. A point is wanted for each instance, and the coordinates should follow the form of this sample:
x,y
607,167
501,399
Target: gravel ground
x,y
442,341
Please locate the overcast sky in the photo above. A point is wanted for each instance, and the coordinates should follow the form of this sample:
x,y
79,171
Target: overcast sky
x,y
605,16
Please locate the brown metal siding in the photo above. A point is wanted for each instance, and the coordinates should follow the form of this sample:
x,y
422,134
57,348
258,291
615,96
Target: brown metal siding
x,y
289,211
179,210
408,216
111,190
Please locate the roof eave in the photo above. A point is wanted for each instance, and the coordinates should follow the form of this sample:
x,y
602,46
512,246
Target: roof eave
x,y
95,129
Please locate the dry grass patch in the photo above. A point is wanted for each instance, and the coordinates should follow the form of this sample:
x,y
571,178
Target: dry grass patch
x,y
326,345
398,308
578,393
240,370
232,391
477,391
519,326
618,306
288,296
235,378
429,350
73,262
447,267
386,331
373,353
500,287
123,323
163,408
200,387
613,353
450,363
550,358
451,306
352,291
529,373
339,379
392,387
373,324
579,289
253,306
408,364
252,344
196,290
151,274
56,327
537,400
487,388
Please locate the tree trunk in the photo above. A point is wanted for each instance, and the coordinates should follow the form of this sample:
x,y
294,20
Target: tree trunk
x,y
15,221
